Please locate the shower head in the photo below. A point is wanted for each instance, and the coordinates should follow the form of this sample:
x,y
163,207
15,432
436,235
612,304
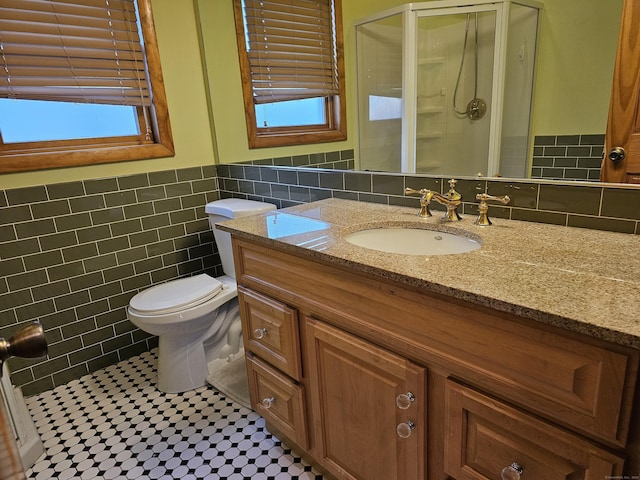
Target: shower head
x,y
28,342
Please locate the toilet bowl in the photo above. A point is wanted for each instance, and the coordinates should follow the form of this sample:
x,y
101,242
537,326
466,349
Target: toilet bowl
x,y
196,319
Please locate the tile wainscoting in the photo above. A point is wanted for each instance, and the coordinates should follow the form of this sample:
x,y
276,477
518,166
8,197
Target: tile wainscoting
x,y
575,204
72,255
567,157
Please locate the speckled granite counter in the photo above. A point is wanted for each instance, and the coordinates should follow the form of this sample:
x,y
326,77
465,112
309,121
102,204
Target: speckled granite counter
x,y
583,280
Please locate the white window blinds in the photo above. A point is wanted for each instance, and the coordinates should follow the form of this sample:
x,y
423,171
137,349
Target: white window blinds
x,y
291,49
86,51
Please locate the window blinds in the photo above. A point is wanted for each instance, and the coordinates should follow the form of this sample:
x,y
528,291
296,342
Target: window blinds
x,y
86,51
291,49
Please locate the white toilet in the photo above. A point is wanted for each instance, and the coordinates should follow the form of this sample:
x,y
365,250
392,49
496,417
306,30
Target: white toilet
x,y
197,319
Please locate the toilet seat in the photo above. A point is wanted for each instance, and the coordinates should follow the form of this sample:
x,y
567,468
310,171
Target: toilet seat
x,y
176,295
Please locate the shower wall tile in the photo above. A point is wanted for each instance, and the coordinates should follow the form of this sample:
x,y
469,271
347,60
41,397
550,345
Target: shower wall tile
x,y
73,254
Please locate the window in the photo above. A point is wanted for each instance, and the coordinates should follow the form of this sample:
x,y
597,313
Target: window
x,y
291,62
80,83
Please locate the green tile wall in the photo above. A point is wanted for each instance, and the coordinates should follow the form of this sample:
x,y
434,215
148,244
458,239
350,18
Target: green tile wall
x,y
72,255
567,157
585,205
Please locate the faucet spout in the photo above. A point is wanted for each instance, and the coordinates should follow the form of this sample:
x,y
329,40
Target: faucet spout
x,y
451,200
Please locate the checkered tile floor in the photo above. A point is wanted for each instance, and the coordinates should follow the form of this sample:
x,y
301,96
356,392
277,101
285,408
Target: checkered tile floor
x,y
114,424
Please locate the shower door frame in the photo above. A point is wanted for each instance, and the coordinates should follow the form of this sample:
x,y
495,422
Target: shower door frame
x,y
410,79
410,13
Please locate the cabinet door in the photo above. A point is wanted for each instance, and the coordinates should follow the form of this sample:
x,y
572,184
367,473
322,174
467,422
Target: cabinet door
x,y
357,421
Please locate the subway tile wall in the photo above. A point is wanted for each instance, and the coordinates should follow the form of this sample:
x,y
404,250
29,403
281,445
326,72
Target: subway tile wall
x,y
567,157
585,205
73,254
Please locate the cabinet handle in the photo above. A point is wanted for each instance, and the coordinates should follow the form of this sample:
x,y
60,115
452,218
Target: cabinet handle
x,y
267,402
512,472
404,429
404,400
260,333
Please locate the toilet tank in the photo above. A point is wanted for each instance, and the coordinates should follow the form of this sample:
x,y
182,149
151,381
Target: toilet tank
x,y
220,210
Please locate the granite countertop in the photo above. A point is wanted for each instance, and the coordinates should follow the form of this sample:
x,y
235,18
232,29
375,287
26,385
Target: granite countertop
x,y
582,280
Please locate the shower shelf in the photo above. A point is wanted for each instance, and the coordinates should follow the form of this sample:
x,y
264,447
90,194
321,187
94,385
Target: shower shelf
x,y
428,135
429,110
431,61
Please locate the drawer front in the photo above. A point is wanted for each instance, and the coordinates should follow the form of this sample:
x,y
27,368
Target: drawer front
x,y
271,331
485,436
577,381
278,399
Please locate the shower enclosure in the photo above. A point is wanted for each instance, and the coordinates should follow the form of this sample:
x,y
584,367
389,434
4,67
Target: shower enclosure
x,y
445,87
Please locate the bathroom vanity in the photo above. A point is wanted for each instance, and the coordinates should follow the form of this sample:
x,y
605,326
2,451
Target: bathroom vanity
x,y
520,357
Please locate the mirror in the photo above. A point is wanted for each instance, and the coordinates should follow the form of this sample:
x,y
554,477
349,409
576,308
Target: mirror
x,y
575,58
570,96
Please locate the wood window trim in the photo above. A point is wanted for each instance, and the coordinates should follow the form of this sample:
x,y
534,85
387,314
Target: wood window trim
x,y
335,106
47,155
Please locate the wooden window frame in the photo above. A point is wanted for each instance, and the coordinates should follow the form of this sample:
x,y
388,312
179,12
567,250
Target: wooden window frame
x,y
29,156
334,129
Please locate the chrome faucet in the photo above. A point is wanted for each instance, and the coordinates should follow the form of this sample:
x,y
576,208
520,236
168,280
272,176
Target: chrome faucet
x,y
451,200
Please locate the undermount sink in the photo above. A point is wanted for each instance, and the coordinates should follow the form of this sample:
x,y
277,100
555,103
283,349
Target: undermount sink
x,y
412,241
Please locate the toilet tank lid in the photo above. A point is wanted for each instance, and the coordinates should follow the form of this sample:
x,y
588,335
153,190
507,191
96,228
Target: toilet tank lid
x,y
176,294
237,207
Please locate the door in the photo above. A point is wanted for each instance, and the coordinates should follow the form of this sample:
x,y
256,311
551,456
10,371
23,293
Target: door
x,y
10,463
368,407
621,161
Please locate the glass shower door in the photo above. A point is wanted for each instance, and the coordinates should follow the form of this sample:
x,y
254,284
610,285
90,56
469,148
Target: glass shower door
x,y
380,74
454,91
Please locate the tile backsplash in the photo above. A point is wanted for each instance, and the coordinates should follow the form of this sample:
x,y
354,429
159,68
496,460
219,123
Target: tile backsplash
x,y
575,204
73,254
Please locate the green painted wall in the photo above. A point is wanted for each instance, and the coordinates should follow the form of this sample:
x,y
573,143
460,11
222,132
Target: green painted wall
x,y
176,28
577,46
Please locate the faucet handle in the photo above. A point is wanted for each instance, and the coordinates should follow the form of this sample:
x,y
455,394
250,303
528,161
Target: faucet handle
x,y
452,194
483,208
424,200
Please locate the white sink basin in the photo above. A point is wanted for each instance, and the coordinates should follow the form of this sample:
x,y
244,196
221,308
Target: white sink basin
x,y
412,241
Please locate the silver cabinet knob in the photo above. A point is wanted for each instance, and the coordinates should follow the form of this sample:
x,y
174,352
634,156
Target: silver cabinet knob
x,y
404,400
617,154
260,333
404,429
512,472
268,402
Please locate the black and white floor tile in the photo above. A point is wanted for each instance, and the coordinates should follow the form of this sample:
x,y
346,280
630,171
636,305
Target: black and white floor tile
x,y
114,424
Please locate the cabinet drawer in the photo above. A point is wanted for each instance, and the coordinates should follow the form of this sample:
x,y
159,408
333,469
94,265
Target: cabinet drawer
x,y
485,436
278,399
271,331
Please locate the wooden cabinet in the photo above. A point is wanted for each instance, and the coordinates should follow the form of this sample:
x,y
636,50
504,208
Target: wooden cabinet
x,y
271,331
364,433
277,398
489,388
274,368
484,436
